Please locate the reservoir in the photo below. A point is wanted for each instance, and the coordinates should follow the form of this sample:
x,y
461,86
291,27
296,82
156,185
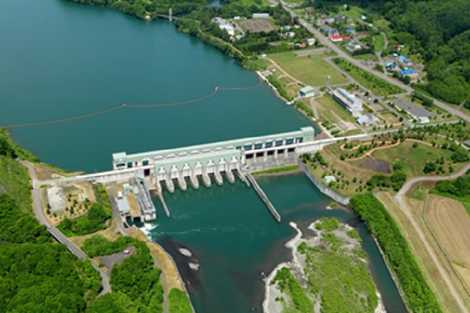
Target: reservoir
x,y
60,60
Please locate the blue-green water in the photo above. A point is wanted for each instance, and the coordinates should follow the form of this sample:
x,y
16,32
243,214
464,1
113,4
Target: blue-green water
x,y
235,240
59,60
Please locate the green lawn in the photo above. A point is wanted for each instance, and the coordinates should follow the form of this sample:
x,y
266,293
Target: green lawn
x,y
329,105
413,159
311,70
379,42
354,12
277,170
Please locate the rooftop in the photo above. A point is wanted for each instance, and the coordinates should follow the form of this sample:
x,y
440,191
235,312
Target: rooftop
x,y
413,109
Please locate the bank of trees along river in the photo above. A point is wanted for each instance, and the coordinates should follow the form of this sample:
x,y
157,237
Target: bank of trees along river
x,y
418,294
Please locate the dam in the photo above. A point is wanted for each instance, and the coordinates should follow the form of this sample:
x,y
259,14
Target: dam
x,y
206,164
218,159
214,162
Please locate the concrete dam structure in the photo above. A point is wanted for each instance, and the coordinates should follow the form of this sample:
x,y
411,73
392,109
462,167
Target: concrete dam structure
x,y
208,163
215,162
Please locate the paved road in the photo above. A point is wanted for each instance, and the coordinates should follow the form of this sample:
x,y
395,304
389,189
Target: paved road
x,y
56,233
327,43
410,183
400,199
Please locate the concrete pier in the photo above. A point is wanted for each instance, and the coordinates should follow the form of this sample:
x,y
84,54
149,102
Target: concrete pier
x,y
218,178
230,176
242,177
182,183
194,181
206,179
169,185
264,198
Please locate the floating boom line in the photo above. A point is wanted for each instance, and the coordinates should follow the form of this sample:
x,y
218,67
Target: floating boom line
x,y
119,107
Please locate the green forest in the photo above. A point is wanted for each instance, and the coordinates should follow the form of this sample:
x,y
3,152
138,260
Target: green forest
x,y
141,8
36,274
458,189
418,294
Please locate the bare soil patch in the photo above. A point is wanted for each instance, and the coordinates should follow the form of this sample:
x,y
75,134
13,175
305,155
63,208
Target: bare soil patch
x,y
257,25
372,164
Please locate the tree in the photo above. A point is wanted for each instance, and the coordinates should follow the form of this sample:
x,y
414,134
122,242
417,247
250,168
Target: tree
x,y
429,167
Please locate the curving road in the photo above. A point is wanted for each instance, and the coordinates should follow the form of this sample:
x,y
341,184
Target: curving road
x,y
56,233
327,43
400,199
410,183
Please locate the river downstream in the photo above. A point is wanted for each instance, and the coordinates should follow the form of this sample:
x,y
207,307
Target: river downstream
x,y
60,60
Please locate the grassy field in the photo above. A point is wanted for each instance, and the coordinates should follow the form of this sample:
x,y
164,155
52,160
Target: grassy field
x,y
389,117
413,158
278,170
336,271
348,171
378,42
376,85
311,70
330,105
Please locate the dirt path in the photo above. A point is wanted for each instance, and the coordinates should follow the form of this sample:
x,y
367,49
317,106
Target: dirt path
x,y
406,209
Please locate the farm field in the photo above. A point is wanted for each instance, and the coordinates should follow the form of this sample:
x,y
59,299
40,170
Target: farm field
x,y
450,224
423,258
311,70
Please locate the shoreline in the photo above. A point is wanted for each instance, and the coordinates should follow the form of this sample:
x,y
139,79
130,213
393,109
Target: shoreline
x,y
171,275
291,244
270,301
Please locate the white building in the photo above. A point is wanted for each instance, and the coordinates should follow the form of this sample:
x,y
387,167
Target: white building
x,y
307,91
311,41
224,25
352,103
366,119
260,15
418,113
